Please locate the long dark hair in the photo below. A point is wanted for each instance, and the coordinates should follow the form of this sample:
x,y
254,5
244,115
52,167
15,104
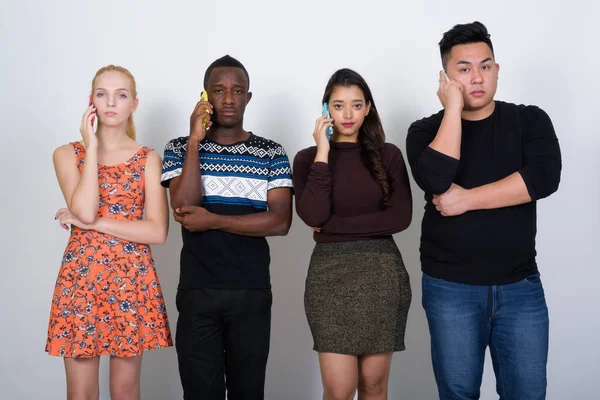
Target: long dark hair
x,y
370,135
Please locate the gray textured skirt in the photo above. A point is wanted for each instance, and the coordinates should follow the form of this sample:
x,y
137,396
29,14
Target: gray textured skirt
x,y
357,297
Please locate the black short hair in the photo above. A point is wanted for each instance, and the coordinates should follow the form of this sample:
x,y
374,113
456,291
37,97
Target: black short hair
x,y
225,61
474,32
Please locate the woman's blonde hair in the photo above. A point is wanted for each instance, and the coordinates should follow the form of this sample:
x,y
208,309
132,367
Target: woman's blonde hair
x,y
130,125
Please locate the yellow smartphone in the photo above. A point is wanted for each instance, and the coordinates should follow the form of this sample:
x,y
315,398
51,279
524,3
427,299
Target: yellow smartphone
x,y
204,97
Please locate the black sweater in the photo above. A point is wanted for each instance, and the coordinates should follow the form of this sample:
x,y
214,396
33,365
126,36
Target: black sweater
x,y
485,247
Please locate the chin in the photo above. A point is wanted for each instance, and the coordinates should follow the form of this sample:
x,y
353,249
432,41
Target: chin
x,y
112,123
478,105
345,132
228,124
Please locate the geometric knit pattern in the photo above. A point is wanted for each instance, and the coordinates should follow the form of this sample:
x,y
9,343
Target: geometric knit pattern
x,y
237,174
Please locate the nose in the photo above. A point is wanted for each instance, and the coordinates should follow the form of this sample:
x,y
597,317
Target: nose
x,y
228,97
347,114
476,76
111,100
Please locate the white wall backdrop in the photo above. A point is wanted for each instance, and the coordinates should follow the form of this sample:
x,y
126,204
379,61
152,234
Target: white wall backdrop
x,y
50,51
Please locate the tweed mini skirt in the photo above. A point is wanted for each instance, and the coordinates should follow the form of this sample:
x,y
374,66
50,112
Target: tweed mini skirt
x,y
357,297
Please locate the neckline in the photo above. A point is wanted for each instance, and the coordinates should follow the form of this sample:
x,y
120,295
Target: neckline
x,y
488,118
251,135
116,164
344,145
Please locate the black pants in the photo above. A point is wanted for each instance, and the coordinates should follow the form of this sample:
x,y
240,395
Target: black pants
x,y
222,341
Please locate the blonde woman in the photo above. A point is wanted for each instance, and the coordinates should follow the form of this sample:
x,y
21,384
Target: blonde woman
x,y
107,299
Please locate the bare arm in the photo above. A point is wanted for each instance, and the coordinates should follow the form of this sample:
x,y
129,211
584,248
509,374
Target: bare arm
x,y
186,189
152,230
80,190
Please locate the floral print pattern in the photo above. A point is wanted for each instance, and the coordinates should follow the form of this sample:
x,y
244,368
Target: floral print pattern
x,y
107,298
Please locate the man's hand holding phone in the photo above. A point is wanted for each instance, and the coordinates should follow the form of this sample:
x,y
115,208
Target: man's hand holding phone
x,y
450,93
200,120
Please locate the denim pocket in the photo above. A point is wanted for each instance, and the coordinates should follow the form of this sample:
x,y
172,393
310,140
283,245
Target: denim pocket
x,y
431,278
533,279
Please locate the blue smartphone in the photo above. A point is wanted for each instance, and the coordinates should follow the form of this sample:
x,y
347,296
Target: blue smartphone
x,y
329,131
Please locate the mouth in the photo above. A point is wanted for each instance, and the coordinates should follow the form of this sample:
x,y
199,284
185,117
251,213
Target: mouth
x,y
348,124
478,93
110,113
229,112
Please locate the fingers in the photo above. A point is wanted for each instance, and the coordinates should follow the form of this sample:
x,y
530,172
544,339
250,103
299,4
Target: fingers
x,y
185,210
86,114
323,122
58,212
324,118
203,111
179,217
65,220
203,107
443,79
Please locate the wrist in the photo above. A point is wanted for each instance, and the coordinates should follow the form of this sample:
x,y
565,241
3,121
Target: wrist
x,y
193,139
470,199
453,110
91,146
322,155
216,222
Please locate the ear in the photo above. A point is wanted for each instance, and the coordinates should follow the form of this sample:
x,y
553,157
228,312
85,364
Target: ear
x,y
498,68
368,108
248,97
135,103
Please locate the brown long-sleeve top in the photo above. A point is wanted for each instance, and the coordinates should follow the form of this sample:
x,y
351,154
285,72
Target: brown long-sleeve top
x,y
342,198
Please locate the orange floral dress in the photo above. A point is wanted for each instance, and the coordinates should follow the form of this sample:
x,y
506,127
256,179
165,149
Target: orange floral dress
x,y
107,298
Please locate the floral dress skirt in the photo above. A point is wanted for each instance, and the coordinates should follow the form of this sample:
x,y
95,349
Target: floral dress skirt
x,y
107,299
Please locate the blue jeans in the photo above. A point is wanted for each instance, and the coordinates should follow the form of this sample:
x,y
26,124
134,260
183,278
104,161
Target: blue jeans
x,y
511,319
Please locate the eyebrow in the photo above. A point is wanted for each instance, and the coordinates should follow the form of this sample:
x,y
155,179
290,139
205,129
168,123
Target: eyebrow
x,y
235,85
115,90
461,62
354,101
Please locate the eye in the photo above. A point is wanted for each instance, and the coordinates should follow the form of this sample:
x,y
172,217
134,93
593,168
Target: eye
x,y
238,91
218,91
337,106
122,95
358,106
99,94
485,67
464,70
